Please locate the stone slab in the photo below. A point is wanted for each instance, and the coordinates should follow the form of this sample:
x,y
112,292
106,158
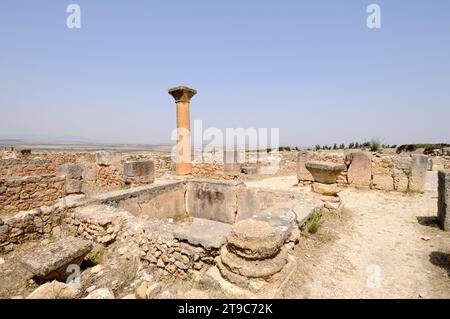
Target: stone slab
x,y
54,290
207,233
418,173
324,172
325,189
74,177
303,175
139,172
360,169
51,261
304,208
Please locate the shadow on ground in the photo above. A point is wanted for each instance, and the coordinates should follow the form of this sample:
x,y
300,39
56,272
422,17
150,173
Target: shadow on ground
x,y
431,221
441,259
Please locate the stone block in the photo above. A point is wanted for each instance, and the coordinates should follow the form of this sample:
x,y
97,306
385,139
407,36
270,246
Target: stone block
x,y
360,170
74,177
303,175
444,199
437,164
102,158
418,172
54,290
401,183
51,261
325,172
139,172
255,239
325,189
383,182
214,200
206,233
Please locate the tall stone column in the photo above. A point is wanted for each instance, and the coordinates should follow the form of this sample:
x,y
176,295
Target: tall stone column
x,y
182,96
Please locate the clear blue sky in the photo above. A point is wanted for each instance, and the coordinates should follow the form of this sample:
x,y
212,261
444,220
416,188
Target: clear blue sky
x,y
311,68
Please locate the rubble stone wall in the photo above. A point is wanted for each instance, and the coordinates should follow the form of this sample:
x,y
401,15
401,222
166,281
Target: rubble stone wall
x,y
26,167
24,193
29,225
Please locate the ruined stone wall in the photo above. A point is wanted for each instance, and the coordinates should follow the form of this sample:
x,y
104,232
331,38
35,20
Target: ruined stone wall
x,y
391,172
101,230
29,225
26,167
59,158
23,193
210,171
388,171
109,176
175,257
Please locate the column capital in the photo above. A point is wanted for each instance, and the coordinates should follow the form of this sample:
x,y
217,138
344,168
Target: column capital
x,y
182,93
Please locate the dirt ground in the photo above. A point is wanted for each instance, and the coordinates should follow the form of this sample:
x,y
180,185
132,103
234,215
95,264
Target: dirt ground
x,y
383,245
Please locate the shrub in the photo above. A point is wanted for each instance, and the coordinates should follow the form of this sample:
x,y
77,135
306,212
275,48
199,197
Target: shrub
x,y
315,221
374,145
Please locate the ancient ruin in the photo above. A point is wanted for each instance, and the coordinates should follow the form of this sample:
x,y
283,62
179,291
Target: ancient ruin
x,y
136,224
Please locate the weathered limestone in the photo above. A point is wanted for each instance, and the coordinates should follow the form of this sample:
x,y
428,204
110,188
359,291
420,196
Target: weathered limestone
x,y
359,173
55,290
253,239
206,233
383,182
401,183
182,96
418,173
282,219
166,200
51,262
325,176
303,174
214,200
326,189
444,199
74,177
437,163
253,268
139,172
102,158
324,172
306,206
254,254
101,293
